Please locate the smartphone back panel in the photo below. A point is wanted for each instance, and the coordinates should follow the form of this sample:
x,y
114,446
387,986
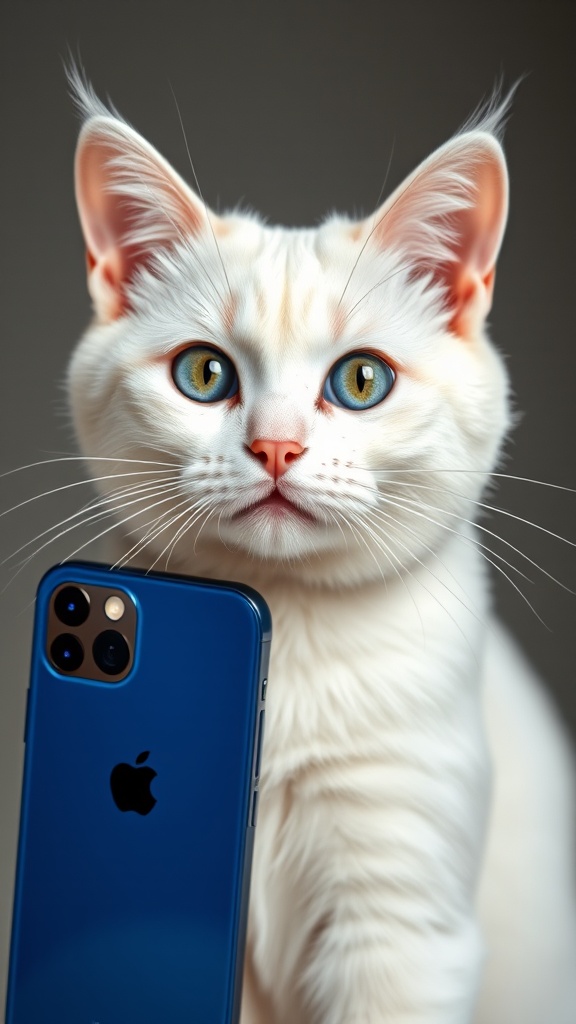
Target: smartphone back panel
x,y
137,916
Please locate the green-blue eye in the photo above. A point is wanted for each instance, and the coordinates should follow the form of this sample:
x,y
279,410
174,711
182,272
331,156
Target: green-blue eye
x,y
358,381
204,374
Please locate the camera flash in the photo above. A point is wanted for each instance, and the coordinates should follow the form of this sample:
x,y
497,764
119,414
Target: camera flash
x,y
114,608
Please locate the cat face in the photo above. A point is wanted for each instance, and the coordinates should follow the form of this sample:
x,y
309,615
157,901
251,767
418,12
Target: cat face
x,y
297,397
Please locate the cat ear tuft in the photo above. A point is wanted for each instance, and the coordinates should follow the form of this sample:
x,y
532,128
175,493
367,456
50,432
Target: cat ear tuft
x,y
447,219
131,202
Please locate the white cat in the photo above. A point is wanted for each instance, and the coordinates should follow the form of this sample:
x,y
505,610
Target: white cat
x,y
316,412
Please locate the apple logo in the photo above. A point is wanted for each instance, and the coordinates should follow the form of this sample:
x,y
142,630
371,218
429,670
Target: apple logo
x,y
131,786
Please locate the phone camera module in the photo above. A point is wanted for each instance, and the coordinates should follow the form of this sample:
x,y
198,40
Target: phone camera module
x,y
71,606
111,652
67,652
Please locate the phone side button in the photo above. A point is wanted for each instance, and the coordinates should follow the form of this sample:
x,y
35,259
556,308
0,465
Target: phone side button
x,y
263,690
259,742
26,714
254,811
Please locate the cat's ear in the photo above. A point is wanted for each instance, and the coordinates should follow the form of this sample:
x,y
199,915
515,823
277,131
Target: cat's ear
x,y
448,219
131,204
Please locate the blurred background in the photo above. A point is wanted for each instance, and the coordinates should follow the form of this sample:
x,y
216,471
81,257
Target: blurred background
x,y
294,109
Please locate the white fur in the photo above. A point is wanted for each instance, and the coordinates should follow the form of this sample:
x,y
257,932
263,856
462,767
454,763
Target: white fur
x,y
391,690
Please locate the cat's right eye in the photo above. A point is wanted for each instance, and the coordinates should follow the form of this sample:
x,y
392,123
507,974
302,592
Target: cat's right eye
x,y
358,381
205,374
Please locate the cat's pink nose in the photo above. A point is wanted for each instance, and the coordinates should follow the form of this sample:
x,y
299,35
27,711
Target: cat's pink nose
x,y
276,456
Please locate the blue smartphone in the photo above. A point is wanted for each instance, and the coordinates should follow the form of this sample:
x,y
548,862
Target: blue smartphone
x,y
143,745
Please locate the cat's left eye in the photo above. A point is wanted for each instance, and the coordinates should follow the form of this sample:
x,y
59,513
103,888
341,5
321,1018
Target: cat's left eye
x,y
205,374
358,381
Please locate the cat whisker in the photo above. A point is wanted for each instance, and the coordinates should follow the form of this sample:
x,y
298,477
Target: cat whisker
x,y
394,524
169,547
475,472
392,558
439,602
382,189
116,525
360,539
197,183
474,542
121,492
91,540
526,522
217,295
182,531
502,540
153,528
100,504
329,516
163,451
383,281
156,526
376,224
498,568
197,508
79,483
84,459
480,527
389,522
210,512
218,524
125,447
491,508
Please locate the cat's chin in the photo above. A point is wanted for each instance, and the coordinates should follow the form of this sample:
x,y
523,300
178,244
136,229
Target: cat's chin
x,y
275,530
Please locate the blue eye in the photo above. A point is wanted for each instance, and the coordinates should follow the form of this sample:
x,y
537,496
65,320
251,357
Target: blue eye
x,y
358,381
204,374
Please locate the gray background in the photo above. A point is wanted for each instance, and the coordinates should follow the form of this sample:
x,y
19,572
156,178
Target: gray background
x,y
293,109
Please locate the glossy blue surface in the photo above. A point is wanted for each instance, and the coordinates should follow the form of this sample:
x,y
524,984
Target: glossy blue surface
x,y
122,918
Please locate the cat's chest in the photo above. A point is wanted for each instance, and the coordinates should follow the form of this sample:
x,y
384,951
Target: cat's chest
x,y
361,673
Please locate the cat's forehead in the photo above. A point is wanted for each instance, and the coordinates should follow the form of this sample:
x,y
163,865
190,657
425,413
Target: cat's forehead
x,y
266,287
297,293
288,286
322,291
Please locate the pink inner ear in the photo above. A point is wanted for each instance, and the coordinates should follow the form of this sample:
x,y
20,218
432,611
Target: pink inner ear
x,y
108,219
448,219
478,234
478,229
131,205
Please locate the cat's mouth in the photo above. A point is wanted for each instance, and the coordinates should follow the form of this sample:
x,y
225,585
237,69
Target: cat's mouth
x,y
276,506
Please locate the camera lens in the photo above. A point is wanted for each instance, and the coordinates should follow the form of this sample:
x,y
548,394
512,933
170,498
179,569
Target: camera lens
x,y
67,652
71,606
111,652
